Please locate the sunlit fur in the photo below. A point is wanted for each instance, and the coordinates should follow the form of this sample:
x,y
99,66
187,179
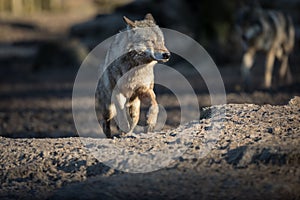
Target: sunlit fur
x,y
129,79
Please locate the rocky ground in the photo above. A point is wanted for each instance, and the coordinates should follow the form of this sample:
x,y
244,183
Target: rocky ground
x,y
245,151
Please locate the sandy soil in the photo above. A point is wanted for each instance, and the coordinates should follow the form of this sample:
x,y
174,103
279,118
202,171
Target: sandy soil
x,y
255,155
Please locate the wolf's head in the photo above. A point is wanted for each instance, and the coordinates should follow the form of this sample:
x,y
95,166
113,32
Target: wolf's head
x,y
249,24
146,38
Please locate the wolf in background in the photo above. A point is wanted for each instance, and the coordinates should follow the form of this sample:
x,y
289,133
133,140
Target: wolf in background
x,y
129,79
269,31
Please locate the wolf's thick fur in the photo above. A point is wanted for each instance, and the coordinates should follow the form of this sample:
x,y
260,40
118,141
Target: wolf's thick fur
x,y
129,79
269,31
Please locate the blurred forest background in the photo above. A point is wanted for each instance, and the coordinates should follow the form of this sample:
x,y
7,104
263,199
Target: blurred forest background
x,y
33,22
43,42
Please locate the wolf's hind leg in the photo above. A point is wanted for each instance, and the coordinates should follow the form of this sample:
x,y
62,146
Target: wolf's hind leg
x,y
106,128
285,75
108,114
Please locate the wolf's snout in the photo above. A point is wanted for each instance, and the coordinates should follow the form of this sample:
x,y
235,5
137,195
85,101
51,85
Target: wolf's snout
x,y
162,56
166,56
244,37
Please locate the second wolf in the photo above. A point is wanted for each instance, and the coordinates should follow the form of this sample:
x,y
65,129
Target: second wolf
x,y
129,77
269,31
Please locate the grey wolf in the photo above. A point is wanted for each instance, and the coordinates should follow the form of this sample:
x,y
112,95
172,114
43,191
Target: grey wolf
x,y
269,31
129,79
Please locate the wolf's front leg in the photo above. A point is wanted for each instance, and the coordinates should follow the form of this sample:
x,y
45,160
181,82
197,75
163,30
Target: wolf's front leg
x,y
247,64
134,112
119,101
269,69
152,116
149,99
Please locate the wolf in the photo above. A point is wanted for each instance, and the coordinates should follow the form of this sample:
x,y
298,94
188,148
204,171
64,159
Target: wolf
x,y
271,32
129,79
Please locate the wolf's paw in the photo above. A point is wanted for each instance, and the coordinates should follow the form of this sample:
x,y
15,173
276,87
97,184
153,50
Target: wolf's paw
x,y
108,135
149,128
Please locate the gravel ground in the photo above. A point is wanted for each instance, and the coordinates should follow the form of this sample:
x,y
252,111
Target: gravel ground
x,y
254,155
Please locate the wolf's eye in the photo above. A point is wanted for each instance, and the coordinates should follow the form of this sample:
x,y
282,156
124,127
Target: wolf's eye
x,y
254,22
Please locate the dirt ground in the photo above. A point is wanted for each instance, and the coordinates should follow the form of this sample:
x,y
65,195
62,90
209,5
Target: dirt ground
x,y
252,152
255,156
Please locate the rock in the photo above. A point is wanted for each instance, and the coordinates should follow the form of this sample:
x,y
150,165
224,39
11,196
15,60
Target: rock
x,y
295,102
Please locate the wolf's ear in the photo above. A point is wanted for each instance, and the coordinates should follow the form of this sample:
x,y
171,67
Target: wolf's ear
x,y
129,22
254,4
150,17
